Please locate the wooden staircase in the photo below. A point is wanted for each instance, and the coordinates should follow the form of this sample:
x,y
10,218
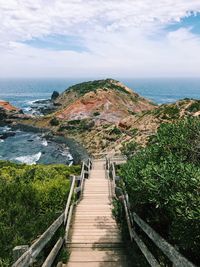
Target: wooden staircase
x,y
95,239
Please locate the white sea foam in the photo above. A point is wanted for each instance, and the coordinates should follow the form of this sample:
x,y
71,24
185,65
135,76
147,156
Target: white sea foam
x,y
44,142
69,156
27,109
32,102
6,128
65,153
29,159
1,141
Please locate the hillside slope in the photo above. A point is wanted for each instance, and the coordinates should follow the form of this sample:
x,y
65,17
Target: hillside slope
x,y
104,100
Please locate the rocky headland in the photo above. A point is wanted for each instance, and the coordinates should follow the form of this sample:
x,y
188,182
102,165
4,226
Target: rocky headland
x,y
104,114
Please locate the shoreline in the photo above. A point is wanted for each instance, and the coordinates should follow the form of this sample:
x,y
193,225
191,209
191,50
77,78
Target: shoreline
x,y
78,152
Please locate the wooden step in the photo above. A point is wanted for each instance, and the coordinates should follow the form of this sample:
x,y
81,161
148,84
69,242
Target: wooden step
x,y
97,256
104,246
96,240
98,264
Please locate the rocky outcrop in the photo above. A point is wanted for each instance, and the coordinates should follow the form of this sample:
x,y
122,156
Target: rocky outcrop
x,y
104,101
54,96
8,107
8,111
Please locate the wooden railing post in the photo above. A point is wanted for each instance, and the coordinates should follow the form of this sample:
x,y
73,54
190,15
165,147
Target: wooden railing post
x,y
18,251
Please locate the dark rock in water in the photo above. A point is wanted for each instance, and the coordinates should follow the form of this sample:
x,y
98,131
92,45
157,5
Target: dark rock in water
x,y
6,135
43,107
30,140
55,95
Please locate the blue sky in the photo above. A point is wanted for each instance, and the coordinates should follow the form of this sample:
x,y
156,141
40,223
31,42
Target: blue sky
x,y
191,22
92,38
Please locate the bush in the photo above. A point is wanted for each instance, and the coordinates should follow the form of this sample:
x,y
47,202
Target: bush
x,y
54,122
31,198
130,149
78,125
194,107
116,131
167,112
163,182
96,113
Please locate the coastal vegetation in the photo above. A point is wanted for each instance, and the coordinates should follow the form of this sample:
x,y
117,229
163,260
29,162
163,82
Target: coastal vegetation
x,y
163,180
93,86
31,198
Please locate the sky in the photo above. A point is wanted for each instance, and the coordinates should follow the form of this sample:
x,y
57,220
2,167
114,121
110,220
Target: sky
x,y
99,38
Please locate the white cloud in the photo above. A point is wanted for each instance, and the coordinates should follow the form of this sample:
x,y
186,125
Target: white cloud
x,y
118,35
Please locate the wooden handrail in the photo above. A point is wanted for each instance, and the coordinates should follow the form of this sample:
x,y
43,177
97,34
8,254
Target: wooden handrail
x,y
69,199
167,249
172,254
52,255
64,219
28,257
133,235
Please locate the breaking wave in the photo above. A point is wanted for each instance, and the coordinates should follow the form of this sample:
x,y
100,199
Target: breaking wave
x,y
29,159
44,142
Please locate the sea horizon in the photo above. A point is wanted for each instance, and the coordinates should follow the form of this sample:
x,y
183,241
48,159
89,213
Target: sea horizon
x,y
22,92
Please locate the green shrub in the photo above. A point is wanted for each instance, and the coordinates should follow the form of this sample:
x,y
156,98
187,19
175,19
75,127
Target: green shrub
x,y
130,149
167,112
31,198
93,86
97,113
54,122
116,131
163,182
78,125
194,107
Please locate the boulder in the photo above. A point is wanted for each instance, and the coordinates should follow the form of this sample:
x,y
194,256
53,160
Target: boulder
x,y
54,96
6,135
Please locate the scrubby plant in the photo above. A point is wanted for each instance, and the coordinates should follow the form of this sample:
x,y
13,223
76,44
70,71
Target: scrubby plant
x,y
130,149
167,112
93,86
194,107
31,197
78,125
163,182
54,122
115,131
96,113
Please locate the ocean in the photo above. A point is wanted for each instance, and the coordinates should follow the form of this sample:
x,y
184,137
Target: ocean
x,y
32,148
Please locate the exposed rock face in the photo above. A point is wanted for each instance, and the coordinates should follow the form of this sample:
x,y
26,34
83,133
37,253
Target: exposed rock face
x,y
7,110
103,100
8,107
